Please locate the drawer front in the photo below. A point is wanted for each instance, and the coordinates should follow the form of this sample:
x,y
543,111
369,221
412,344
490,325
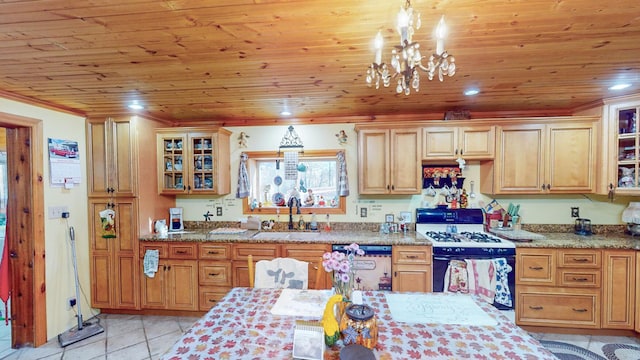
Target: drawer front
x,y
162,249
306,251
259,251
411,255
579,258
535,269
182,251
210,296
580,309
579,278
214,251
215,273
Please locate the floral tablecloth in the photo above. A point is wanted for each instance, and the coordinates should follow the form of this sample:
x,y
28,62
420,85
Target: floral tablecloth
x,y
241,326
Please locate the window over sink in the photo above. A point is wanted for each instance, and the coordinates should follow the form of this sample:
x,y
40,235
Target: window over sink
x,y
316,183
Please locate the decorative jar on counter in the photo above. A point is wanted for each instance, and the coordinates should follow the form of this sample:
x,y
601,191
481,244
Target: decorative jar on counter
x,y
358,325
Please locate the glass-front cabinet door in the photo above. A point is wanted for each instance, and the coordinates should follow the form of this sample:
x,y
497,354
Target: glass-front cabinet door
x,y
628,142
189,162
201,161
173,173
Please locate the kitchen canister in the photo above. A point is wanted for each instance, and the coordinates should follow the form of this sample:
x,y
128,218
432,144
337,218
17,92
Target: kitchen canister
x,y
358,325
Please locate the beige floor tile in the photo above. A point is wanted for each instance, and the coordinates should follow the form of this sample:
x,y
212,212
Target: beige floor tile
x,y
135,352
125,339
86,351
158,326
161,344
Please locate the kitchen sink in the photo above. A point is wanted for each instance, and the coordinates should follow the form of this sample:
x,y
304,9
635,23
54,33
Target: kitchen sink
x,y
286,235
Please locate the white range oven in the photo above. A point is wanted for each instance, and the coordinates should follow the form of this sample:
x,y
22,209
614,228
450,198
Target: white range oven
x,y
458,237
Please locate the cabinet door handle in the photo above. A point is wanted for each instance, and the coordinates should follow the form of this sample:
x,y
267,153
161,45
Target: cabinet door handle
x,y
543,186
164,267
579,310
213,301
169,268
393,187
536,268
456,152
395,274
580,259
211,252
548,186
412,256
214,274
536,307
181,251
387,187
579,279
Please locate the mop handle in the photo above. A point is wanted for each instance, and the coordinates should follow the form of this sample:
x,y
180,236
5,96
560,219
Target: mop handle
x,y
72,236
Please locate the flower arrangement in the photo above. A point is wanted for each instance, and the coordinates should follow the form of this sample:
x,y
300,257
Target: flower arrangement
x,y
343,269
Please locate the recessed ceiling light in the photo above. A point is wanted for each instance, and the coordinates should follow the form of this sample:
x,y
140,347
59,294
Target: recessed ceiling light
x,y
135,105
471,92
619,86
285,113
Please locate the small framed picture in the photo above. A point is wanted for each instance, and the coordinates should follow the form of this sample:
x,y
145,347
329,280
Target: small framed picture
x,y
308,341
388,218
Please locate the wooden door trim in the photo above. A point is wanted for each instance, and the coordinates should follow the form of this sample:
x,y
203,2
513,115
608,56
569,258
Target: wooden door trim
x,y
29,324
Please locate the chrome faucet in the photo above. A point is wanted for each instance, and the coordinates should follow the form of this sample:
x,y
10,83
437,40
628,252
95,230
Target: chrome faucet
x,y
293,201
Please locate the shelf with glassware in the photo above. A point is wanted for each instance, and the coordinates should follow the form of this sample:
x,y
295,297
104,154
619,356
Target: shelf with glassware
x,y
628,142
193,162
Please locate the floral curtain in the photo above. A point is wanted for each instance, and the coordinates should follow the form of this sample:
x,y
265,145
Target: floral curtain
x,y
343,181
243,178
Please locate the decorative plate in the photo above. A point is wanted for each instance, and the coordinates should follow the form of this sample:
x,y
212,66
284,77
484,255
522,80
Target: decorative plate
x,y
278,199
277,180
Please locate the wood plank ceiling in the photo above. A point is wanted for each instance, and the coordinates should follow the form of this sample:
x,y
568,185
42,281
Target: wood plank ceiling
x,y
242,61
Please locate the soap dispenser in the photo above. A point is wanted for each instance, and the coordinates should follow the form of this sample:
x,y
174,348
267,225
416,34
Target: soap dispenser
x,y
314,223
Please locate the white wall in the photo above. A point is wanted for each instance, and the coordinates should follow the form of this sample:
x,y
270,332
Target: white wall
x,y
59,268
535,209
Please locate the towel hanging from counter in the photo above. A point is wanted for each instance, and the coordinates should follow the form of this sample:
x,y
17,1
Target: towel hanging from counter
x,y
151,262
503,294
482,278
456,278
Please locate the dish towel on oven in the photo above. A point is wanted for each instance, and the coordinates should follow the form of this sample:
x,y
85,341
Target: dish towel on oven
x,y
482,278
151,262
503,294
455,278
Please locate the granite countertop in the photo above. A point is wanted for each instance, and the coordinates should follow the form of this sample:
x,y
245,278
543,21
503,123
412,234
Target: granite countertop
x,y
300,237
550,240
571,240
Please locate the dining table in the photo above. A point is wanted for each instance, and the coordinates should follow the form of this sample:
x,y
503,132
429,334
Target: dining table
x,y
242,326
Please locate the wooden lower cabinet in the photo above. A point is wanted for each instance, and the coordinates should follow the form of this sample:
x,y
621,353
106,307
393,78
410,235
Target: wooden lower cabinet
x,y
175,284
618,292
311,253
114,260
576,288
412,268
558,307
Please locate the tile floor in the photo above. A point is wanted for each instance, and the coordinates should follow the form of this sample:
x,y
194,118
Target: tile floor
x,y
125,337
134,337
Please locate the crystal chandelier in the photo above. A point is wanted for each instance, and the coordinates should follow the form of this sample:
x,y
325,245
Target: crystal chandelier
x,y
406,59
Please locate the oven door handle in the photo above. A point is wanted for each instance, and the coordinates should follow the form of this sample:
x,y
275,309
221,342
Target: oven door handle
x,y
442,258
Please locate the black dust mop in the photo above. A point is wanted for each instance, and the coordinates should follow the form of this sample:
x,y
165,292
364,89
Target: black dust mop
x,y
83,330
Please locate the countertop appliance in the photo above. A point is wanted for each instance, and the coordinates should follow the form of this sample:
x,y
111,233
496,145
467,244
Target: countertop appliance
x,y
583,227
175,219
373,269
458,234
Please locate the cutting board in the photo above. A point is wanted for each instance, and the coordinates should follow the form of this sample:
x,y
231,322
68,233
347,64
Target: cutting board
x,y
517,235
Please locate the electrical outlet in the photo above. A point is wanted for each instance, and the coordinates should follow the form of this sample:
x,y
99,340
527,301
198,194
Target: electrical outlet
x,y
575,212
55,212
363,212
219,211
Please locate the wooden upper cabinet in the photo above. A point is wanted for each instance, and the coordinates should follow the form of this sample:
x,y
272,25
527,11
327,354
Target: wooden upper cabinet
x,y
621,147
111,145
542,159
193,161
389,161
451,142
